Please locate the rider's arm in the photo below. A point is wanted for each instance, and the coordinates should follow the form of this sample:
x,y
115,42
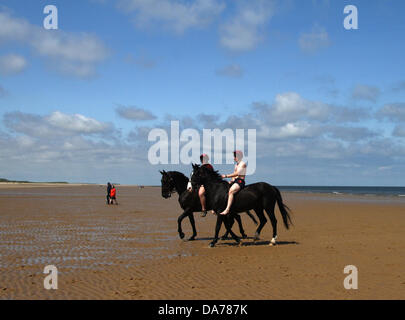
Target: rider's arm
x,y
238,171
230,175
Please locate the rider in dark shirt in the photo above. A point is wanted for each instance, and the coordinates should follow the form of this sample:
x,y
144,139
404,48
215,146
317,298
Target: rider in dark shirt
x,y
201,191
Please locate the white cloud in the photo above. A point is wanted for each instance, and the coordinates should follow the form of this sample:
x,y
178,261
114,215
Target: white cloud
x,y
399,131
244,31
68,53
134,113
393,111
76,123
315,40
349,133
13,29
399,86
177,16
3,92
232,71
291,107
12,64
364,92
142,60
55,124
304,141
300,129
384,168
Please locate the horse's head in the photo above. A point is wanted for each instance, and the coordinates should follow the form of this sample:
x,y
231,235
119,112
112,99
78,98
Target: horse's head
x,y
168,186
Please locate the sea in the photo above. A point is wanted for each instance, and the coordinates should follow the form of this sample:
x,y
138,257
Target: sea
x,y
366,191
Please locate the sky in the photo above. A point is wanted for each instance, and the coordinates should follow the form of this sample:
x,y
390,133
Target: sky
x,y
328,104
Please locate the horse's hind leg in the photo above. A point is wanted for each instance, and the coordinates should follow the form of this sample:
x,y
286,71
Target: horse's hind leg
x,y
262,219
272,216
191,217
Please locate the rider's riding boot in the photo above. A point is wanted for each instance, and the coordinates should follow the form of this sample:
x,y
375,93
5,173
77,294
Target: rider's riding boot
x,y
204,213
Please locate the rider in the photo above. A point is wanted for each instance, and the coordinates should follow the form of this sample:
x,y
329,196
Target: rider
x,y
201,191
238,179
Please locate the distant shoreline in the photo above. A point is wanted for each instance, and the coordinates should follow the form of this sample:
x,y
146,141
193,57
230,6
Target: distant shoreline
x,y
3,180
336,191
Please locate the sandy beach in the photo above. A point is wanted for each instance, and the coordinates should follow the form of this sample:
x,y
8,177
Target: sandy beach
x,y
132,251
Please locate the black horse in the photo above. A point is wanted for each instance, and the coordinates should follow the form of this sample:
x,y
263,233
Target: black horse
x,y
174,181
258,196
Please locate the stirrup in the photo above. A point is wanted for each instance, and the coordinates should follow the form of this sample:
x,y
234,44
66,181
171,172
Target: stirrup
x,y
204,213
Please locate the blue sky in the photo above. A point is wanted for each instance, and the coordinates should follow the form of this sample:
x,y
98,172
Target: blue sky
x,y
328,103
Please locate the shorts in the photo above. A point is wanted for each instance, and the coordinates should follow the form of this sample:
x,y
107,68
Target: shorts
x,y
240,182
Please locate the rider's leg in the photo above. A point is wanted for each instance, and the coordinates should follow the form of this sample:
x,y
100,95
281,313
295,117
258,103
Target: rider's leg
x,y
234,189
201,194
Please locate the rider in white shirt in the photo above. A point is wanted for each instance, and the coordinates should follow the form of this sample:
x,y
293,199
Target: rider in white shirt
x,y
238,179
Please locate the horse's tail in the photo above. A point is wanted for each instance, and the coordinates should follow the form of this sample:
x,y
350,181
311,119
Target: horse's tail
x,y
285,211
252,217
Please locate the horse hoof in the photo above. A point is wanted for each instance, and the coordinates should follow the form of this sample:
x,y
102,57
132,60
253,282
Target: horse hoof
x,y
181,235
244,236
212,245
191,238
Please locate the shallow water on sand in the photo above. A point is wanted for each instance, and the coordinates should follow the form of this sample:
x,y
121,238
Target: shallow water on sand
x,y
74,246
76,230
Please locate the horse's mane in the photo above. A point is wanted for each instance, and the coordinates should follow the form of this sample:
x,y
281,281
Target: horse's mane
x,y
177,175
212,175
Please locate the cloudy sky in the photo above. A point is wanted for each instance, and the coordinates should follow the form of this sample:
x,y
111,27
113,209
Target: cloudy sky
x,y
77,103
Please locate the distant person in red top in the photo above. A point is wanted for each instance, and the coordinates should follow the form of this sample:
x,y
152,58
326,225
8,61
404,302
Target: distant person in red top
x,y
201,192
113,194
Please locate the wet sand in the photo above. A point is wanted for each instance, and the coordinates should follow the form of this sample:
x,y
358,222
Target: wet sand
x,y
132,251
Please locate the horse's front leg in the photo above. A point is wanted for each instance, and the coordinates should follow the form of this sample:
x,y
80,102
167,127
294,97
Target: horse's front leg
x,y
239,221
226,234
192,221
217,228
228,226
179,220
